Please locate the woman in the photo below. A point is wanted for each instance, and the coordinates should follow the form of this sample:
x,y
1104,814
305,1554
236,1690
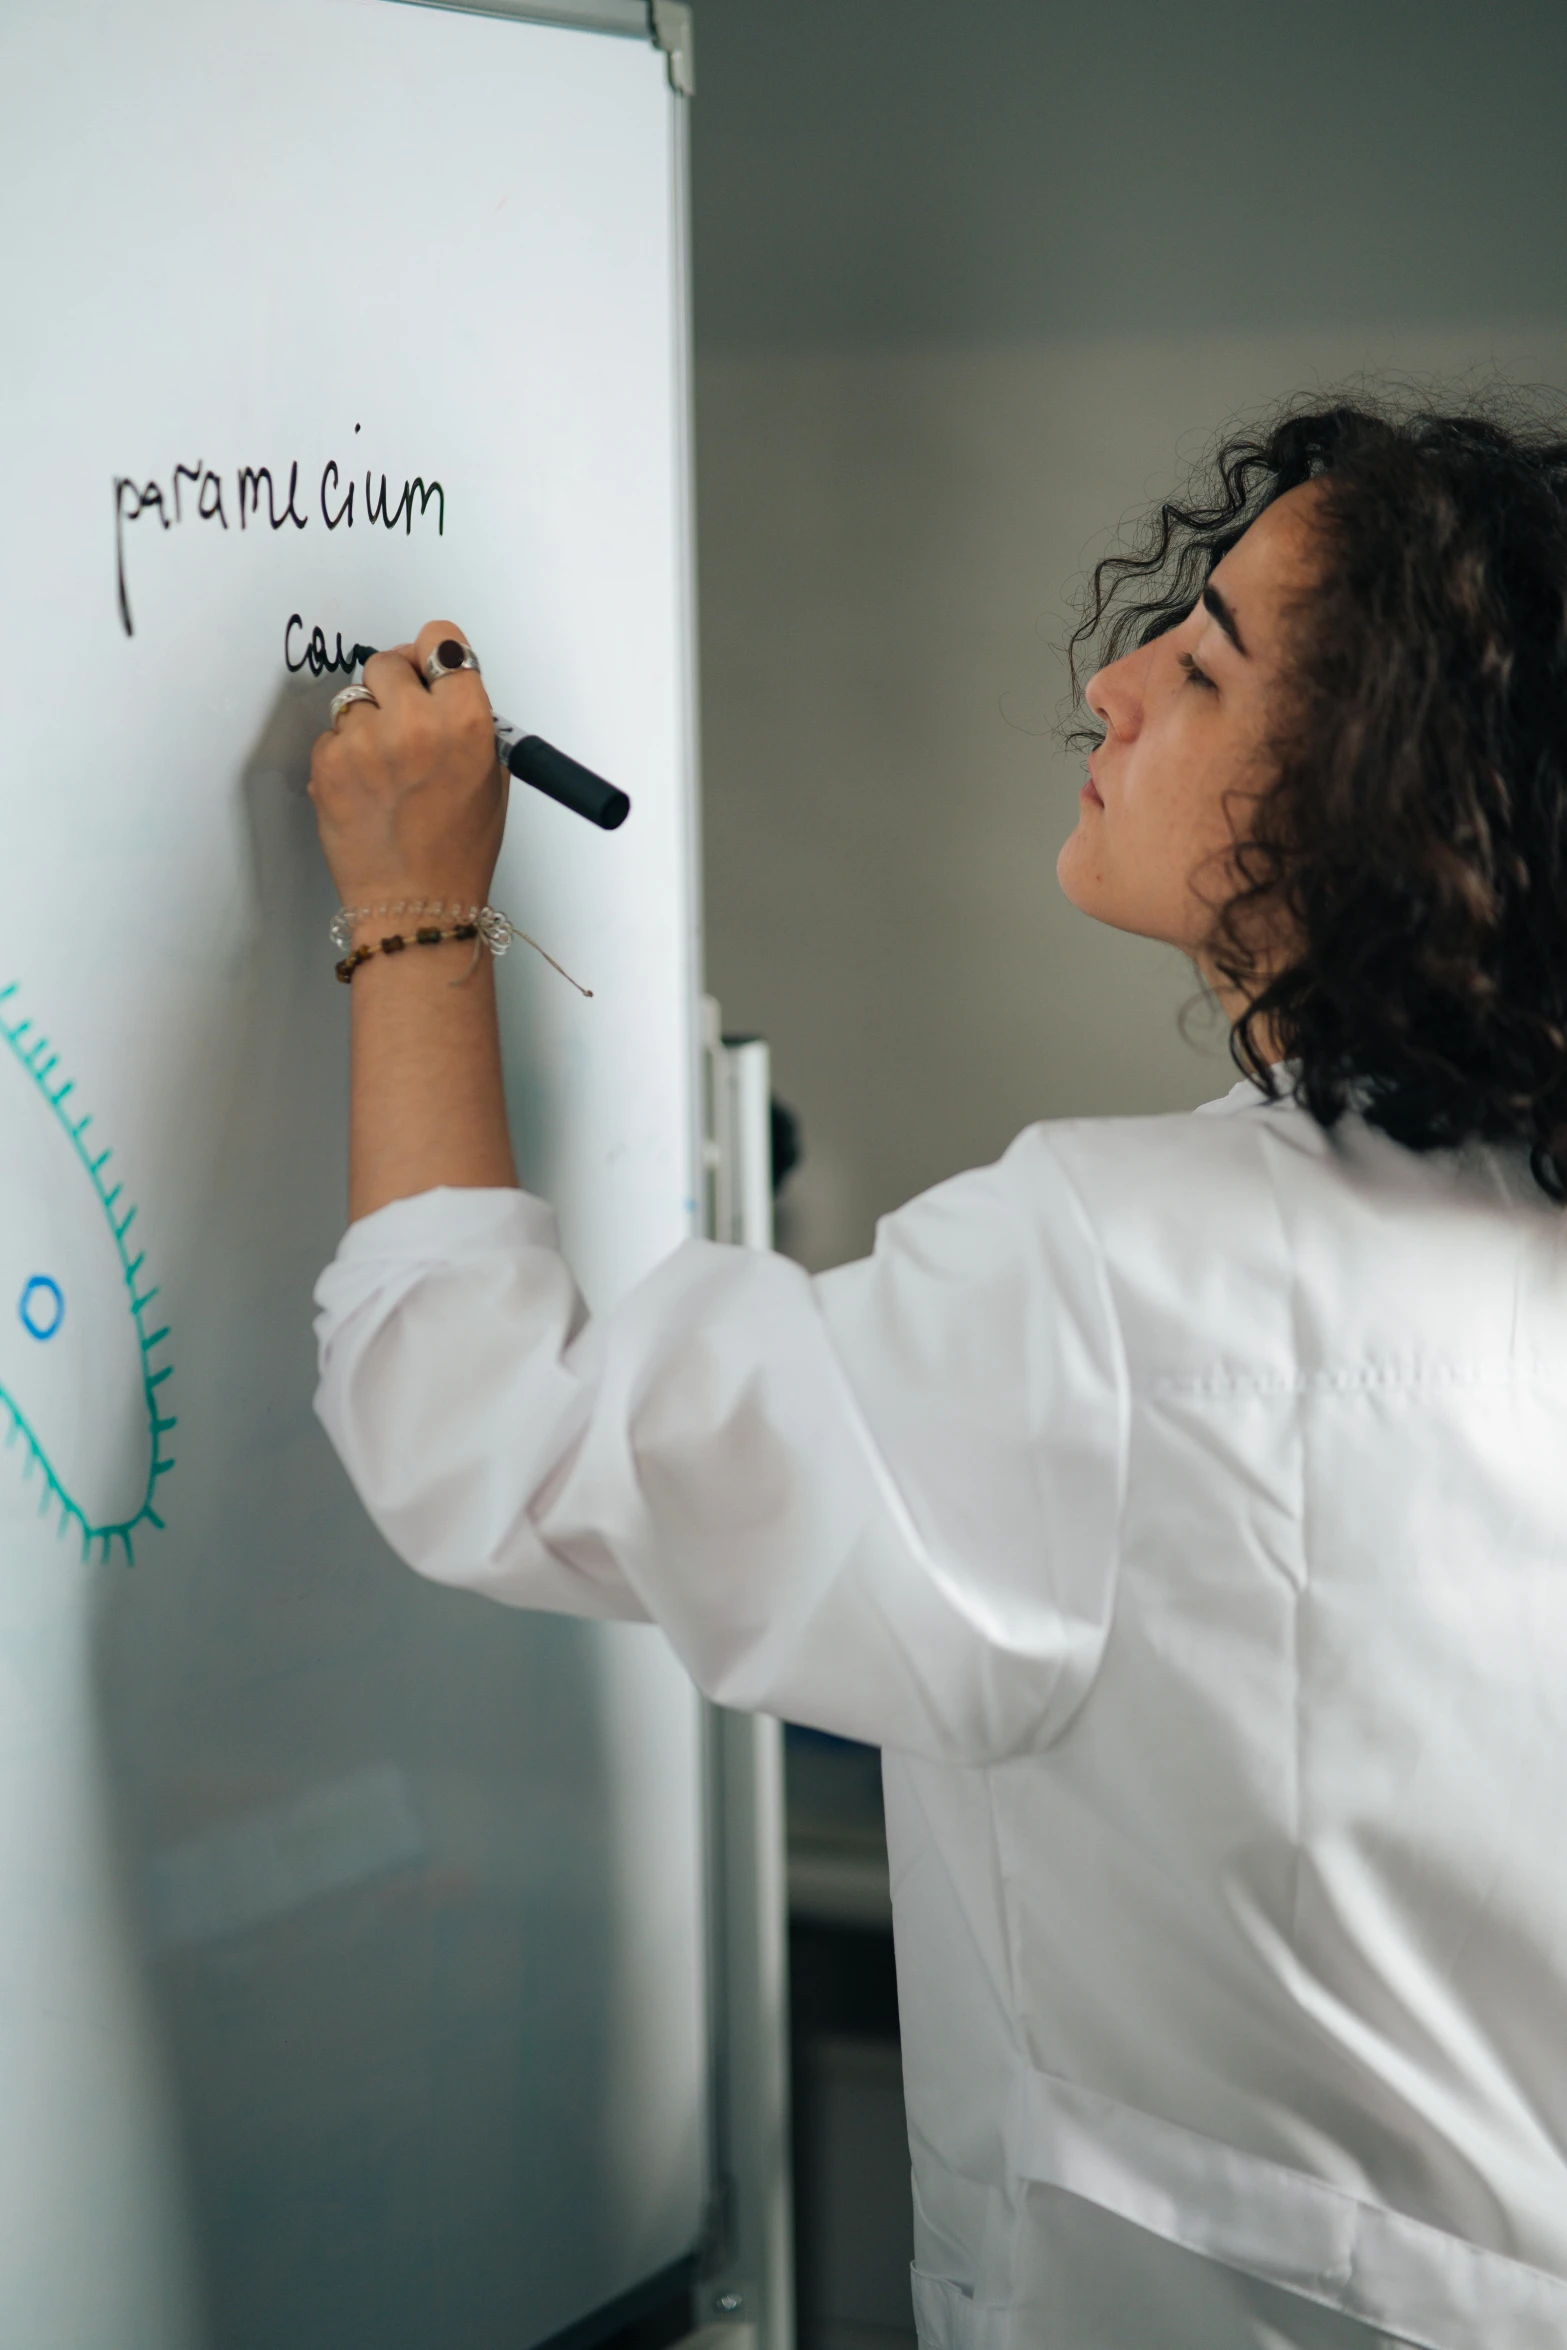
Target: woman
x,y
1181,1502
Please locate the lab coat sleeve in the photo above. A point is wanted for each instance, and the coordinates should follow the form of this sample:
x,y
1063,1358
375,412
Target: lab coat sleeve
x,y
884,1501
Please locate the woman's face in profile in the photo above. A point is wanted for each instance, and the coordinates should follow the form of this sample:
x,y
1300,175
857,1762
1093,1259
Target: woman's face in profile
x,y
1187,724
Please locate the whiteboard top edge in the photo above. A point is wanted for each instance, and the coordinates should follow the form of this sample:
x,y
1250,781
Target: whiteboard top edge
x,y
628,18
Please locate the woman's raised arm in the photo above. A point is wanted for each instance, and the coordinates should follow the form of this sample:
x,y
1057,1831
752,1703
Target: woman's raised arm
x,y
411,803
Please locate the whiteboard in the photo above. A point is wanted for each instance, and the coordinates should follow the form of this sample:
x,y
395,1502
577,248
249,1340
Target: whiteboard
x,y
351,1941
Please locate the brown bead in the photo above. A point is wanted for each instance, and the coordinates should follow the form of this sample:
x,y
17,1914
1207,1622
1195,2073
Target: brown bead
x,y
429,935
393,945
465,930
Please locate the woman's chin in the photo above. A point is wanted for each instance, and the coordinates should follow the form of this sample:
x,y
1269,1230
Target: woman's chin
x,y
1078,873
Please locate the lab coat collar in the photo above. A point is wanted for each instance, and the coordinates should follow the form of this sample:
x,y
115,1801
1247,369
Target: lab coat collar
x,y
1247,1094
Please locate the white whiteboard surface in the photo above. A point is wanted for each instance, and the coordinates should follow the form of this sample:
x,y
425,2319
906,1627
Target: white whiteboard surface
x,y
351,1977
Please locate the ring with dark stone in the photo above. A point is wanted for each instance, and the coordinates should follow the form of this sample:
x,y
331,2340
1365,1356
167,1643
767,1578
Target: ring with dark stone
x,y
450,655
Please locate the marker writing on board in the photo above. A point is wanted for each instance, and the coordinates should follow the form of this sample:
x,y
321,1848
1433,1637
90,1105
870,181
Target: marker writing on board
x,y
534,761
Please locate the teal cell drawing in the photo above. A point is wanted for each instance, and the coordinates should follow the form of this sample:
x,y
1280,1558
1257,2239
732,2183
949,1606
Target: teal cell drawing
x,y
83,1348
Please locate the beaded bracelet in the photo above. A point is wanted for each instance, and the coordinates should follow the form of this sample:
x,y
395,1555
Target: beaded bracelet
x,y
487,926
428,934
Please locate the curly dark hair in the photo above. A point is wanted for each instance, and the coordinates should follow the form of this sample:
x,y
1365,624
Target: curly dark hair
x,y
1412,831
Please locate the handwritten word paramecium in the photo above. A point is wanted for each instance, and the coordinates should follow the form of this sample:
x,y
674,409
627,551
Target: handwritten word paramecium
x,y
254,497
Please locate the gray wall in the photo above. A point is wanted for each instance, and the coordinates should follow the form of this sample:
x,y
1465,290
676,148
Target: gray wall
x,y
971,284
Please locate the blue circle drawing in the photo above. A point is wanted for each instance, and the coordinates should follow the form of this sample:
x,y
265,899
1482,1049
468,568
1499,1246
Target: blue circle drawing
x,y
43,1306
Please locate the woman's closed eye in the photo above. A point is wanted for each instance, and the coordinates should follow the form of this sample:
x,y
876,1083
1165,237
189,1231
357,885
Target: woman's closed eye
x,y
1196,675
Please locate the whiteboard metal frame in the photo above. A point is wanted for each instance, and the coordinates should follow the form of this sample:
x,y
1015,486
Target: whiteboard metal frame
x,y
748,2271
629,18
667,24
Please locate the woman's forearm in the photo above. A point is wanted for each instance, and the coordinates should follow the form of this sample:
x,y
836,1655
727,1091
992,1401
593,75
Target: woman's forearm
x,y
427,1103
411,803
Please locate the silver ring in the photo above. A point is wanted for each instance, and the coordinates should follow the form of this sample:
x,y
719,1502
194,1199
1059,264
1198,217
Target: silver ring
x,y
346,699
437,664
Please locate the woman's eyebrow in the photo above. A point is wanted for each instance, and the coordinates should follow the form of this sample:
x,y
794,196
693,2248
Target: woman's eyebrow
x,y
1213,602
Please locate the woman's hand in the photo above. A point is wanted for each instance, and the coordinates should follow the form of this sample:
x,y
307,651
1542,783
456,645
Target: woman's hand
x,y
410,798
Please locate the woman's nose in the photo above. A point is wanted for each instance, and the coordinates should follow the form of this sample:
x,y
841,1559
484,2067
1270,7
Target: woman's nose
x,y
1114,694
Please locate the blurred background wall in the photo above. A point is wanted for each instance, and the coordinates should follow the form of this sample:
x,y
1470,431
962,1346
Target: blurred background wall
x,y
973,281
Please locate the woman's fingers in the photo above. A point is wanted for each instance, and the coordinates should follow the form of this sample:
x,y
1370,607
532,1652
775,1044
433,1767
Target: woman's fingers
x,y
440,632
425,716
458,694
391,677
408,792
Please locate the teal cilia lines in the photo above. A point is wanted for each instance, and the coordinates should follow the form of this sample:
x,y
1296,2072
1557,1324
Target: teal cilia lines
x,y
102,1529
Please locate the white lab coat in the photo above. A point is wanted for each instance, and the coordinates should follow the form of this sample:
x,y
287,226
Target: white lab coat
x,y
1181,1503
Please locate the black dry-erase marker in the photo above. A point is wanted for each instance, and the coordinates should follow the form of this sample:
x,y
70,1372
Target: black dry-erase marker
x,y
533,760
530,758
